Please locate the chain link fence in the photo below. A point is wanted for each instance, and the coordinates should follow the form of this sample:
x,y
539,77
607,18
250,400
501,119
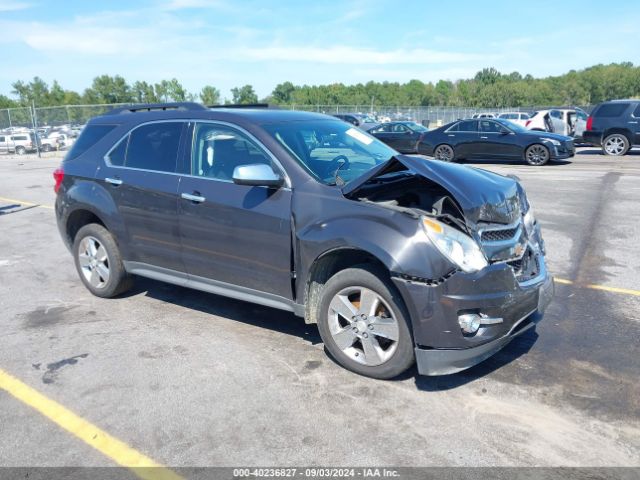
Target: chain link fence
x,y
77,115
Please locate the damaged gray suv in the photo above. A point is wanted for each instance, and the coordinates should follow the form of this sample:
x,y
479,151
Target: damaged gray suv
x,y
398,259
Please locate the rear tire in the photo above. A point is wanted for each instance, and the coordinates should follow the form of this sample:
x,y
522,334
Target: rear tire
x,y
616,145
21,150
99,263
46,147
444,153
364,323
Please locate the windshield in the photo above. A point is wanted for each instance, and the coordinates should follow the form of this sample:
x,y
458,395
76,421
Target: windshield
x,y
325,147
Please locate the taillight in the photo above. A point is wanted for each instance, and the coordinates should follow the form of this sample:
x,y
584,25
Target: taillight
x,y
58,176
527,124
590,123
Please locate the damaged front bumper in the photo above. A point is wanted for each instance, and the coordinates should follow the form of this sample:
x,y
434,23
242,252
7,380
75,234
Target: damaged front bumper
x,y
495,293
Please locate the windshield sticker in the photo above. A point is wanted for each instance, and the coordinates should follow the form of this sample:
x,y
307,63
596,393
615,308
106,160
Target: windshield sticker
x,y
358,135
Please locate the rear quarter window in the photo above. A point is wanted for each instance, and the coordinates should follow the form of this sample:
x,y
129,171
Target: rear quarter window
x,y
90,135
636,112
608,110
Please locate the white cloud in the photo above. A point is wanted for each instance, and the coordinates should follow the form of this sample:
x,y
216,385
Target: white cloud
x,y
10,6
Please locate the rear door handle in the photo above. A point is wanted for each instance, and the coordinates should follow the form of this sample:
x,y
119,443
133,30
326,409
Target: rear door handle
x,y
484,138
633,122
193,198
113,181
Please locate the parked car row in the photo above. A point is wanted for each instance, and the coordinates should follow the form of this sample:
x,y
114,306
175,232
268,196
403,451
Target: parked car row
x,y
479,138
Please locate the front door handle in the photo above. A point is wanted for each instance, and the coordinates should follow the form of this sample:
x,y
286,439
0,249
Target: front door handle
x,y
113,181
484,138
193,198
633,122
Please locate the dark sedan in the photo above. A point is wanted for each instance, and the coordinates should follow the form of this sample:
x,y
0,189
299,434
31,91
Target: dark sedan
x,y
401,136
494,139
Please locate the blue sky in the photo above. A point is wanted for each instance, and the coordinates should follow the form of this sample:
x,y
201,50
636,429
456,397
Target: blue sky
x,y
229,43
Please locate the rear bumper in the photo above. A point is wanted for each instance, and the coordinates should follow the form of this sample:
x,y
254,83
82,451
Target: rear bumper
x,y
440,346
593,137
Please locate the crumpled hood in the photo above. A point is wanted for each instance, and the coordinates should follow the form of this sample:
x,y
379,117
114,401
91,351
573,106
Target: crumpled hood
x,y
482,195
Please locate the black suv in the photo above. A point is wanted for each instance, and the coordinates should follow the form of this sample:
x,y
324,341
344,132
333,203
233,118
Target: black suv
x,y
614,125
396,258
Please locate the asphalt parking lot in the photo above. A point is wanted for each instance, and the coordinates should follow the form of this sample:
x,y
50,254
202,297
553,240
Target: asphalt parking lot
x,y
193,379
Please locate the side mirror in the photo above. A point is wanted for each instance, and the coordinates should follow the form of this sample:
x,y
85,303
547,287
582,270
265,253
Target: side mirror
x,y
257,175
504,132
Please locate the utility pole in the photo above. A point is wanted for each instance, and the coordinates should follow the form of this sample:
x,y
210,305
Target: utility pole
x,y
34,122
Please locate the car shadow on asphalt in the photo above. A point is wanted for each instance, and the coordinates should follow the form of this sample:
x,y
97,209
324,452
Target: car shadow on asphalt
x,y
514,350
236,310
598,151
289,324
488,161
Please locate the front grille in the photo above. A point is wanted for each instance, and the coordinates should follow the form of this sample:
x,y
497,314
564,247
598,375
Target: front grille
x,y
498,235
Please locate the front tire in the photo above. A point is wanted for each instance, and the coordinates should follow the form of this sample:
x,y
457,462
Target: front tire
x,y
615,145
537,154
364,323
99,263
444,153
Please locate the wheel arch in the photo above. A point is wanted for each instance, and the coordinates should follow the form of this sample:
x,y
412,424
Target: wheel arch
x,y
85,202
77,219
328,264
620,131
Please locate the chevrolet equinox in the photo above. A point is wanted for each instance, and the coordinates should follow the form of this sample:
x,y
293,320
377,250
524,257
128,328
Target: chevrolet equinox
x,y
398,259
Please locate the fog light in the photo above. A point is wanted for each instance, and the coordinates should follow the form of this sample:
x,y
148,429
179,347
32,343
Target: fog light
x,y
469,322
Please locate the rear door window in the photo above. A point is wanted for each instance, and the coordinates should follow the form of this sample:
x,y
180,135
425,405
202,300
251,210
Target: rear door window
x,y
154,147
609,110
468,126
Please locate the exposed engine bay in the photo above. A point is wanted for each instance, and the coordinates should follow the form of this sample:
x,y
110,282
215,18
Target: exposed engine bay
x,y
493,217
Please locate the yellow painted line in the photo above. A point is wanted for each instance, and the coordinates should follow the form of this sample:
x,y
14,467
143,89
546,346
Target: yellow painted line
x,y
593,286
141,465
22,202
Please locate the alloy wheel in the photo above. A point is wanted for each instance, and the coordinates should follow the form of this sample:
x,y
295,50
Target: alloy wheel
x,y
94,262
363,326
444,153
537,155
615,145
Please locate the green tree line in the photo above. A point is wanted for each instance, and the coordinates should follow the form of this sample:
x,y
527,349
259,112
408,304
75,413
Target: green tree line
x,y
488,88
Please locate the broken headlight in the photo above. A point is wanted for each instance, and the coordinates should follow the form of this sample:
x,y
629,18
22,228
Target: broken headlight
x,y
529,221
459,248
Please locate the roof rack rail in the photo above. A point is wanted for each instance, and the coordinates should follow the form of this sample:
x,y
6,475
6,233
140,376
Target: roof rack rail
x,y
148,107
243,105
